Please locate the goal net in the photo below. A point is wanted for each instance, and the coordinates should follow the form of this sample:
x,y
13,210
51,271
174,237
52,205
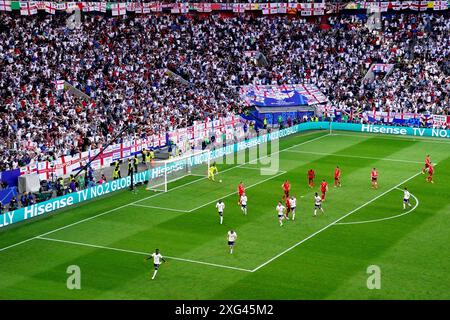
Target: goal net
x,y
163,172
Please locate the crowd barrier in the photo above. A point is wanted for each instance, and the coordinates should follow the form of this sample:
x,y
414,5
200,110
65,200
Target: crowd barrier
x,y
123,183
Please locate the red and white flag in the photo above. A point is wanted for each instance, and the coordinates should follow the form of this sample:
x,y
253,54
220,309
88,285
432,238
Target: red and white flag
x,y
440,5
282,7
239,7
5,5
131,6
118,9
269,8
156,7
419,5
180,8
50,7
27,8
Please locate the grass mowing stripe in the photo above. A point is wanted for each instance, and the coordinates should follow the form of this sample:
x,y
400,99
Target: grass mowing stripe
x,y
387,218
139,252
334,222
389,137
155,207
140,200
351,156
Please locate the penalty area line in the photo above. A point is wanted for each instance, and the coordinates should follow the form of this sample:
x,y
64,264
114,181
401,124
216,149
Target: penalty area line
x,y
334,222
140,253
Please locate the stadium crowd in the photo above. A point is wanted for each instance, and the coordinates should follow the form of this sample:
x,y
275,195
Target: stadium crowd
x,y
121,65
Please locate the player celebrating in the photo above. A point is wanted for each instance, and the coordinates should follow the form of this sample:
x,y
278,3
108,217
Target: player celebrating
x,y
337,177
406,196
311,176
231,236
430,173
317,204
280,211
241,191
157,257
323,188
374,178
286,188
243,202
427,164
293,205
212,170
220,207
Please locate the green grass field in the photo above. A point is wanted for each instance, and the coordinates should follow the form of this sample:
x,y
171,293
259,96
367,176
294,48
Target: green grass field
x,y
324,257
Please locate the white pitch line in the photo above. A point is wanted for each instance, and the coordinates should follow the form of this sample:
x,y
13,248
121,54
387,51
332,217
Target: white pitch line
x,y
140,253
233,193
155,207
334,222
352,156
387,218
402,138
143,199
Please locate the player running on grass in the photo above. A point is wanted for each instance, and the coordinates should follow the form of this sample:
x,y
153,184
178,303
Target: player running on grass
x,y
280,212
430,173
427,164
212,170
311,176
337,177
323,189
286,188
220,205
374,178
243,202
293,205
231,237
157,257
317,204
241,191
406,196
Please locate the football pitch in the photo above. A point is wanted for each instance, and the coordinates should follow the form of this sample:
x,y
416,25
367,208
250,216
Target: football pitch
x,y
323,257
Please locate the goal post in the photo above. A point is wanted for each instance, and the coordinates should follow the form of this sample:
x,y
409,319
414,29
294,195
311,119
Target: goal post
x,y
161,173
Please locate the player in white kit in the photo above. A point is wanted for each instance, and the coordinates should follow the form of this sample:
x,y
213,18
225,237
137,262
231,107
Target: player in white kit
x,y
293,205
157,257
317,204
231,237
243,202
406,197
220,207
280,212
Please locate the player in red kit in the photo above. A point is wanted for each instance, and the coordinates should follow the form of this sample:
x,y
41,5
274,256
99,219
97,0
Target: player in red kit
x,y
427,164
430,174
311,176
241,191
288,208
286,188
374,178
324,189
337,177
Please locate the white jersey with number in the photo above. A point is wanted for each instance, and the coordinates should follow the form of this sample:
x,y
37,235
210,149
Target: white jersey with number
x,y
317,200
406,195
244,200
280,209
157,258
232,236
220,206
293,202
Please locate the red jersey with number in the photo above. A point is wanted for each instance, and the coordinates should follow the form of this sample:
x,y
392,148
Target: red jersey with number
x,y
311,174
286,186
323,186
337,173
